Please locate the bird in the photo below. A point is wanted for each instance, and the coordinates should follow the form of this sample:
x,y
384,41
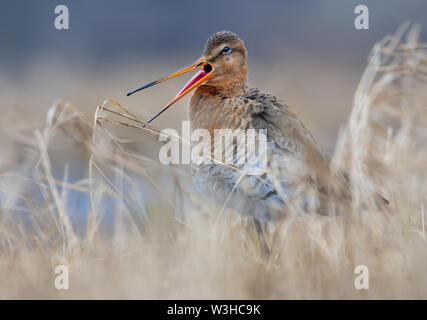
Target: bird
x,y
296,166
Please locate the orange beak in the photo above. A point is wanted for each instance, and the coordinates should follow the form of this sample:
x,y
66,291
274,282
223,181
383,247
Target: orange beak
x,y
198,79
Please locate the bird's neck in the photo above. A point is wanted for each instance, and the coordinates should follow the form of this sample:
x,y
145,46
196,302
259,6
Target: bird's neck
x,y
210,107
232,85
236,89
230,88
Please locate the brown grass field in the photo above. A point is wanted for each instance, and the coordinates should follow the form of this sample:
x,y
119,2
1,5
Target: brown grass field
x,y
131,228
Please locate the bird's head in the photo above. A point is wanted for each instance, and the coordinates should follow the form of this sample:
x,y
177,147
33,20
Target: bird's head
x,y
226,54
222,65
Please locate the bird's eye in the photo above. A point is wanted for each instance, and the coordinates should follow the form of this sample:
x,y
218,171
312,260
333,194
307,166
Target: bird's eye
x,y
226,49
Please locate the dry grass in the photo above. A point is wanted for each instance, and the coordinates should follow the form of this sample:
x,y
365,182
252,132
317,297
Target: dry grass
x,y
133,228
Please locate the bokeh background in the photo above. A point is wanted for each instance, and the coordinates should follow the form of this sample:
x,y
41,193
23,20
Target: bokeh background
x,y
132,228
306,52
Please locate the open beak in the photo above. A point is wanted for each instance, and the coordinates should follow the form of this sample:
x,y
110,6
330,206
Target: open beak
x,y
198,79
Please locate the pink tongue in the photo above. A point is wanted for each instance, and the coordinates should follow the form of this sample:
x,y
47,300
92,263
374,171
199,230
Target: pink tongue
x,y
199,75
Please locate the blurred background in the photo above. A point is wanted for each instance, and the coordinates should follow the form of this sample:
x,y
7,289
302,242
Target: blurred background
x,y
306,52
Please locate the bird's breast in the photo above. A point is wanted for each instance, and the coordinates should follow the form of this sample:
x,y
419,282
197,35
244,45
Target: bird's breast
x,y
211,110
